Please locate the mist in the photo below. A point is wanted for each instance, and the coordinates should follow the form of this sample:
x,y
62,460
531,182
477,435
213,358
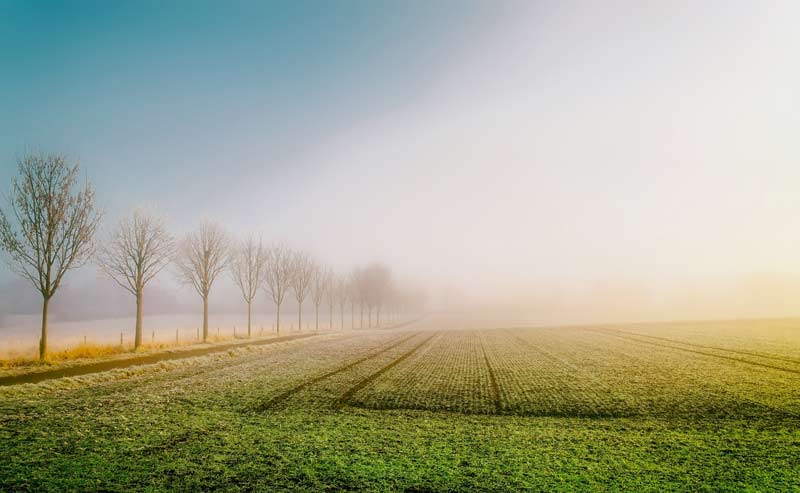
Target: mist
x,y
551,163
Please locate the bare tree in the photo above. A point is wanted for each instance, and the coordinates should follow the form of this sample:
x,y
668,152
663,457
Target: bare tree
x,y
49,227
302,272
248,269
330,294
201,258
360,290
320,279
370,287
278,277
342,293
376,279
352,289
136,251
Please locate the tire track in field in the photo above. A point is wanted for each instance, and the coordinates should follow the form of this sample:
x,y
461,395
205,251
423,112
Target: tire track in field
x,y
495,389
701,346
704,353
294,390
139,382
349,393
587,374
612,396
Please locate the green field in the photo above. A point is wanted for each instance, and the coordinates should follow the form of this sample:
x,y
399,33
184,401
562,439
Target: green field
x,y
689,407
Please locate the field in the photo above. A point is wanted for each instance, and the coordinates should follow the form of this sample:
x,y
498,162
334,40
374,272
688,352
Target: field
x,y
685,406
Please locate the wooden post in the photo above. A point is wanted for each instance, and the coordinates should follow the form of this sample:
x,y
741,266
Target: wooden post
x,y
120,338
198,333
84,340
153,337
177,340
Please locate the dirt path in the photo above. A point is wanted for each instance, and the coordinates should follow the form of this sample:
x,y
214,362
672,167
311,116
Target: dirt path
x,y
146,359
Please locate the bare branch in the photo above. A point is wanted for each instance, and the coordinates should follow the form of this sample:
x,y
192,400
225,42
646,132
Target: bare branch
x,y
202,256
302,272
49,228
248,265
277,278
136,251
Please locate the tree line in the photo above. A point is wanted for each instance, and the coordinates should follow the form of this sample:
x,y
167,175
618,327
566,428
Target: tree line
x,y
50,224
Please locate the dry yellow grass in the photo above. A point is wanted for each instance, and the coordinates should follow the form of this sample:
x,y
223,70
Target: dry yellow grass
x,y
83,350
89,350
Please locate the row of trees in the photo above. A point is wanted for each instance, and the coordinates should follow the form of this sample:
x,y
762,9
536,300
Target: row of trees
x,y
51,224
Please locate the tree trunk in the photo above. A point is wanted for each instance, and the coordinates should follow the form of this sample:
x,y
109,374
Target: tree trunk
x,y
378,317
316,314
137,339
331,316
341,309
205,318
43,340
299,317
249,317
369,315
361,322
277,319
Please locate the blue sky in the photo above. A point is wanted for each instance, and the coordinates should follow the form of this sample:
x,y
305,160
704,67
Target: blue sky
x,y
641,156
209,91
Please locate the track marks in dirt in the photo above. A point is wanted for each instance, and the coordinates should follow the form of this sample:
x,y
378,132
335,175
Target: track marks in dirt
x,y
348,395
697,351
271,403
495,389
702,346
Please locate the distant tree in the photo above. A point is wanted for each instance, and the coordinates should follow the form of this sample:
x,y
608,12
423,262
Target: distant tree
x,y
375,282
49,226
201,258
359,292
302,272
341,292
136,251
354,295
320,279
248,265
330,295
278,277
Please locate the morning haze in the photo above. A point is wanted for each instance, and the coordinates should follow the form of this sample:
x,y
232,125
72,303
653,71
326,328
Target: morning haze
x,y
538,155
379,245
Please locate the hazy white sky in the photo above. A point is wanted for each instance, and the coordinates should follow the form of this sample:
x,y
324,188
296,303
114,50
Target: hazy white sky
x,y
583,143
566,154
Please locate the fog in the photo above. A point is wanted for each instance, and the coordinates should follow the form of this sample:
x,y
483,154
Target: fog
x,y
561,162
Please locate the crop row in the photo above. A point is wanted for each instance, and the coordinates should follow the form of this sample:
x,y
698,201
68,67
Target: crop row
x,y
657,380
449,374
535,381
771,338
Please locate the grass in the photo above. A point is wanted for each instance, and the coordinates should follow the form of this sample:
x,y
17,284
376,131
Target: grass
x,y
93,351
494,410
84,350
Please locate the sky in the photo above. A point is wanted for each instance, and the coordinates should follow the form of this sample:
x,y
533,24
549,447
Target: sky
x,y
577,161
